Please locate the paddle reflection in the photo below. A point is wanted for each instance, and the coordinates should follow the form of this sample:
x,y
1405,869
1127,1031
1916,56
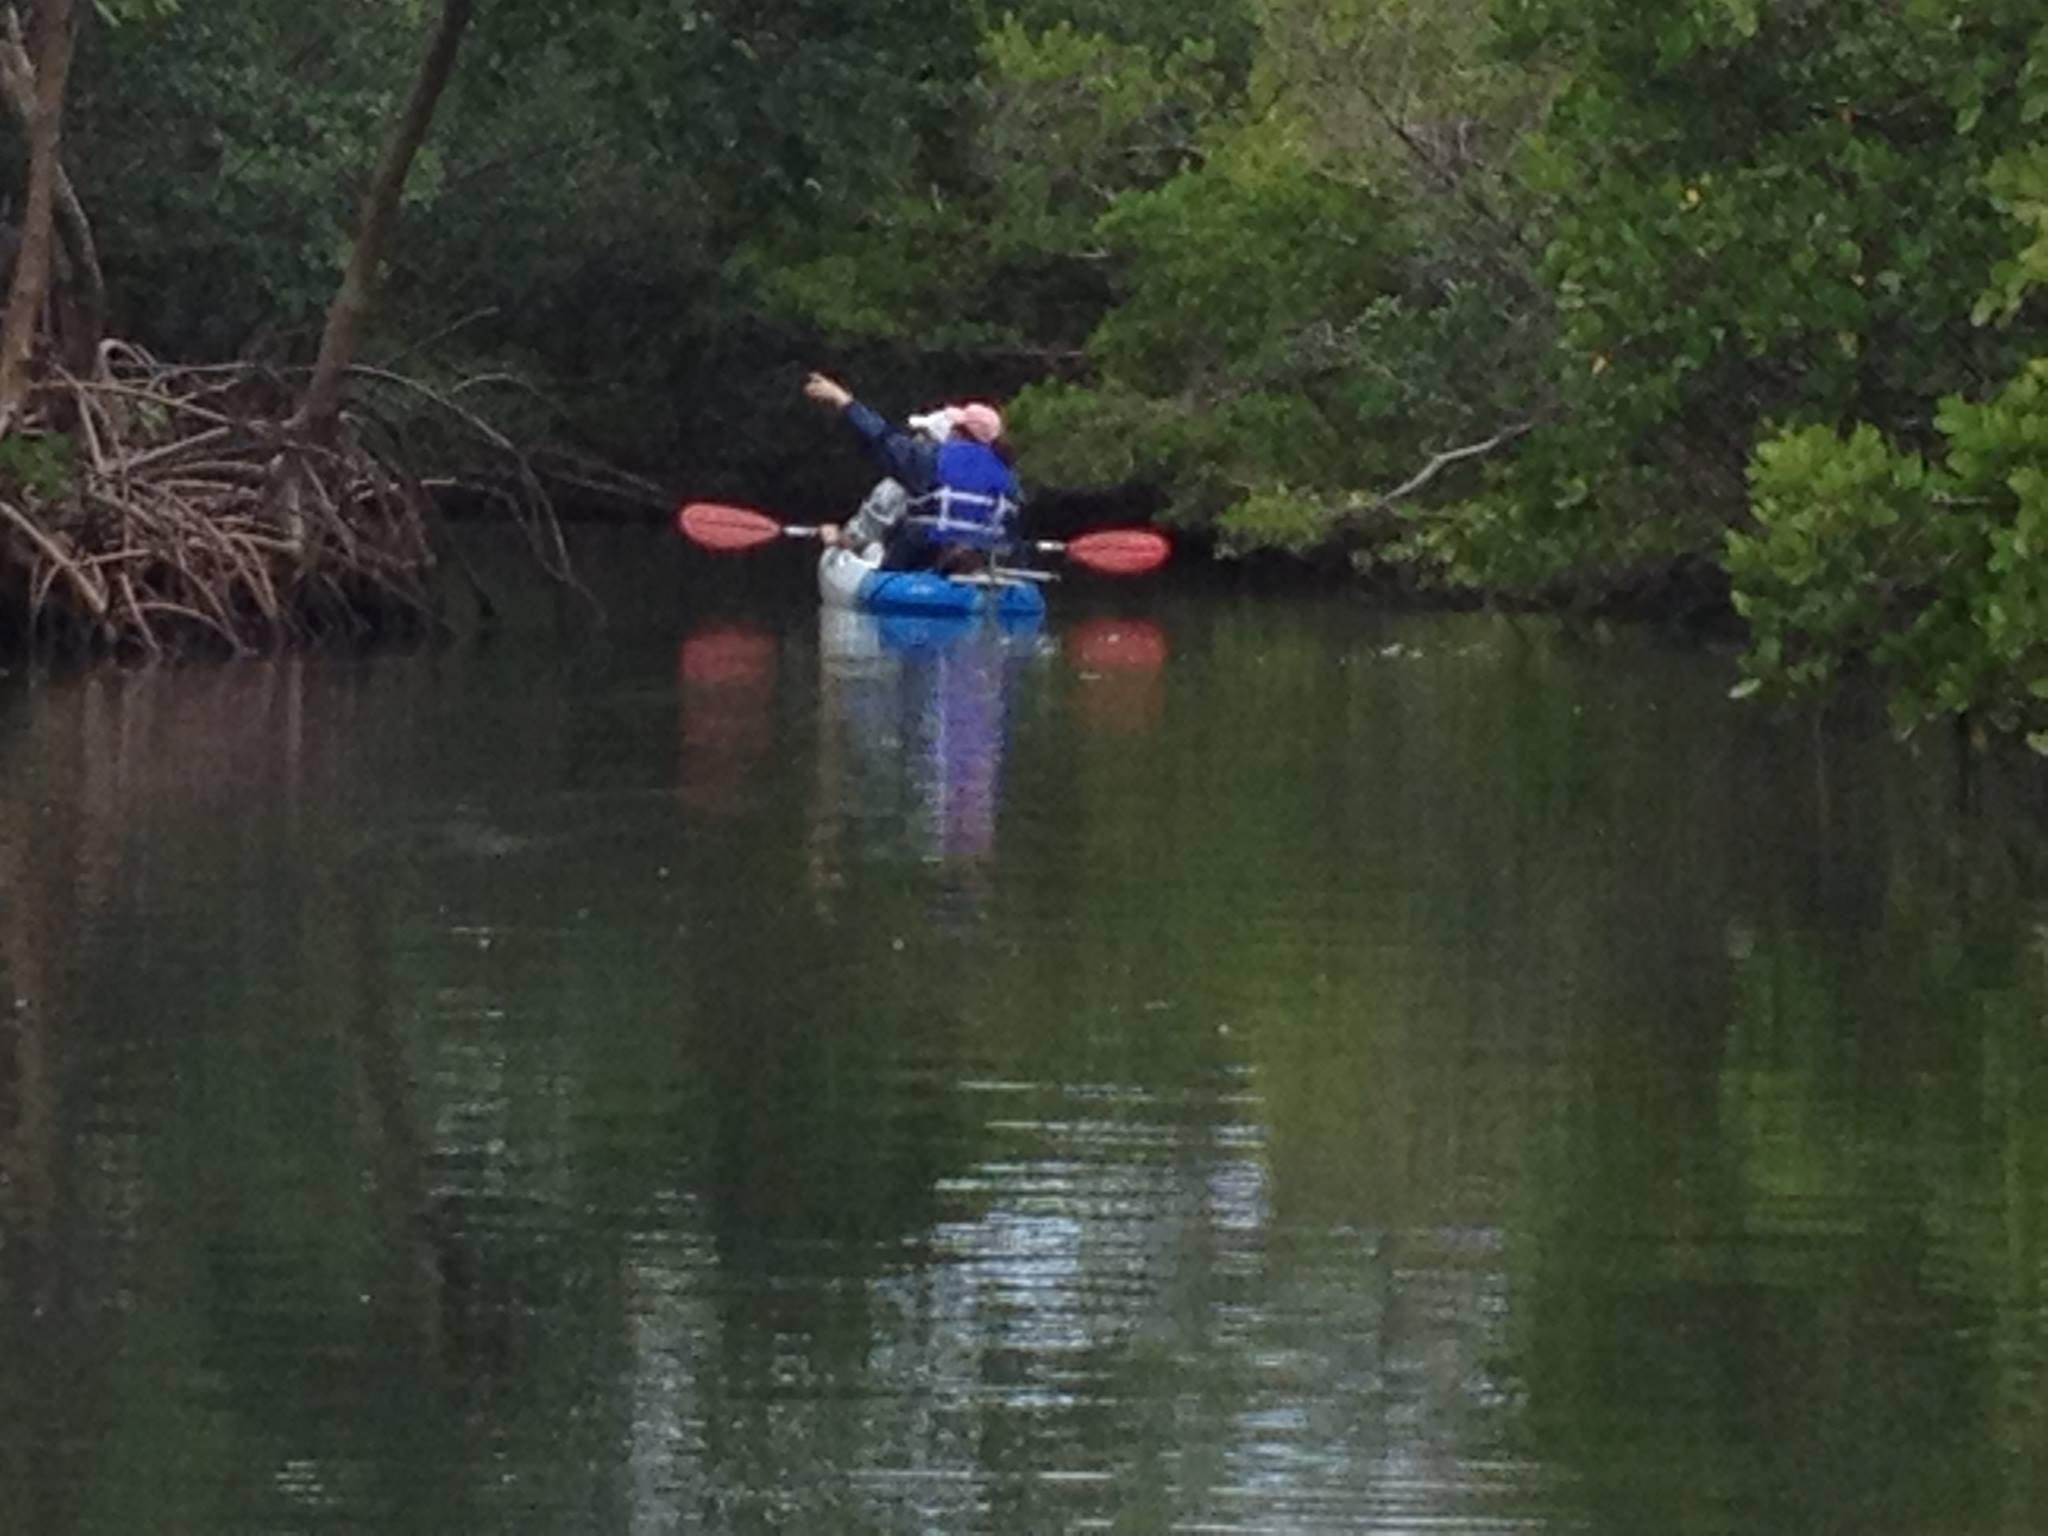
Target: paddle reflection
x,y
1121,665
725,677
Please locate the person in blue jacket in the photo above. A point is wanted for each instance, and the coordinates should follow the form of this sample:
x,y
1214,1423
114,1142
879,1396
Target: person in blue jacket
x,y
950,492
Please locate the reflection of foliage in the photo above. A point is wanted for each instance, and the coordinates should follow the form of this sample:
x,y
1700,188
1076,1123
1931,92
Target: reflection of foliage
x,y
1435,1048
1840,1290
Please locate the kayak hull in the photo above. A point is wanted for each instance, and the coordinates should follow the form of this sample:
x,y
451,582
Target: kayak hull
x,y
847,580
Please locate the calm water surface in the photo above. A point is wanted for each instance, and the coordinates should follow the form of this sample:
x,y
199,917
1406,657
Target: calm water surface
x,y
1245,1065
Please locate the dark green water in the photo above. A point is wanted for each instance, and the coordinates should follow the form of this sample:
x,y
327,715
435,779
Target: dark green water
x,y
1264,1067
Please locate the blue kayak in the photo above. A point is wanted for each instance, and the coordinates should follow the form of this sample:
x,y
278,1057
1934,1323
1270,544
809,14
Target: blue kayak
x,y
848,580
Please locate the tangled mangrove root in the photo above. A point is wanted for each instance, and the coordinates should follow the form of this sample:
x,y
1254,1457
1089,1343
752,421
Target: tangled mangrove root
x,y
157,508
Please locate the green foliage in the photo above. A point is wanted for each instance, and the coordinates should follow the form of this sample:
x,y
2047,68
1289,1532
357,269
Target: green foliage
x,y
1258,457
1000,249
1277,516
1847,532
1934,575
574,218
1071,121
1225,267
39,468
1630,274
1760,214
1400,93
1105,435
1246,282
2019,182
224,164
1928,569
1161,28
1327,297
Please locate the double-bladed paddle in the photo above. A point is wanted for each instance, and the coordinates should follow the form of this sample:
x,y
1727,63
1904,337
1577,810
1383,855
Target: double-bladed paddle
x,y
1111,551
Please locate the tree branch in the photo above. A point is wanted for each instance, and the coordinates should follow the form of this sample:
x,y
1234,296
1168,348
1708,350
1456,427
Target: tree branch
x,y
18,84
321,412
54,36
1438,463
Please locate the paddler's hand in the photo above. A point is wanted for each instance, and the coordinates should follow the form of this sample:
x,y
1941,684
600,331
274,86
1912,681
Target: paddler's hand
x,y
828,535
828,391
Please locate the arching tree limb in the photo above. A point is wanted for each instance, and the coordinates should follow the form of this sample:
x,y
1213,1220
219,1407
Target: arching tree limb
x,y
91,593
320,412
1439,462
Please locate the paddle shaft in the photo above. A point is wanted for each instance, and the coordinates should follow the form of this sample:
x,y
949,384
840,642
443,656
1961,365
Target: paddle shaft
x,y
1126,551
1036,546
1033,546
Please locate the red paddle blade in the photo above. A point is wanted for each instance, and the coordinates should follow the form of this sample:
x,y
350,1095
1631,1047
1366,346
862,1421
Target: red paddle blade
x,y
717,526
1120,551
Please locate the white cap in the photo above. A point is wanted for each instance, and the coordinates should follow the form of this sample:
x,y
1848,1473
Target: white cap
x,y
936,425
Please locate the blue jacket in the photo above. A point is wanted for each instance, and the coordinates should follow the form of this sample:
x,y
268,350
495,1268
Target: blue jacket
x,y
962,489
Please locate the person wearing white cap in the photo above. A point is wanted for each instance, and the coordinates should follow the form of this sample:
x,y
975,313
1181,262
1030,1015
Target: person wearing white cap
x,y
950,493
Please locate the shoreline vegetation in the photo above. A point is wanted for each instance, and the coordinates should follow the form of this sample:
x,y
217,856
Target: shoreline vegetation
x,y
159,507
182,508
1729,312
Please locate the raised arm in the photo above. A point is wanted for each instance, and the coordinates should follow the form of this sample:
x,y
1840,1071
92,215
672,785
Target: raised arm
x,y
900,454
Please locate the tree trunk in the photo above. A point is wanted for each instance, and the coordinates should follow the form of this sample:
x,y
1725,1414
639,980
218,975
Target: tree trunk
x,y
52,38
87,307
320,412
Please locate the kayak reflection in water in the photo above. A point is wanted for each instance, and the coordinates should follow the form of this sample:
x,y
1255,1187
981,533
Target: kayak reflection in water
x,y
913,721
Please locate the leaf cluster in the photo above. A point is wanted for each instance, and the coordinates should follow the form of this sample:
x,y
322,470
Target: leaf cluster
x,y
1933,572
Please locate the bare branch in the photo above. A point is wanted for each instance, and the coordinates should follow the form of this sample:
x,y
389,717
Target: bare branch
x,y
59,559
1438,463
321,412
169,529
